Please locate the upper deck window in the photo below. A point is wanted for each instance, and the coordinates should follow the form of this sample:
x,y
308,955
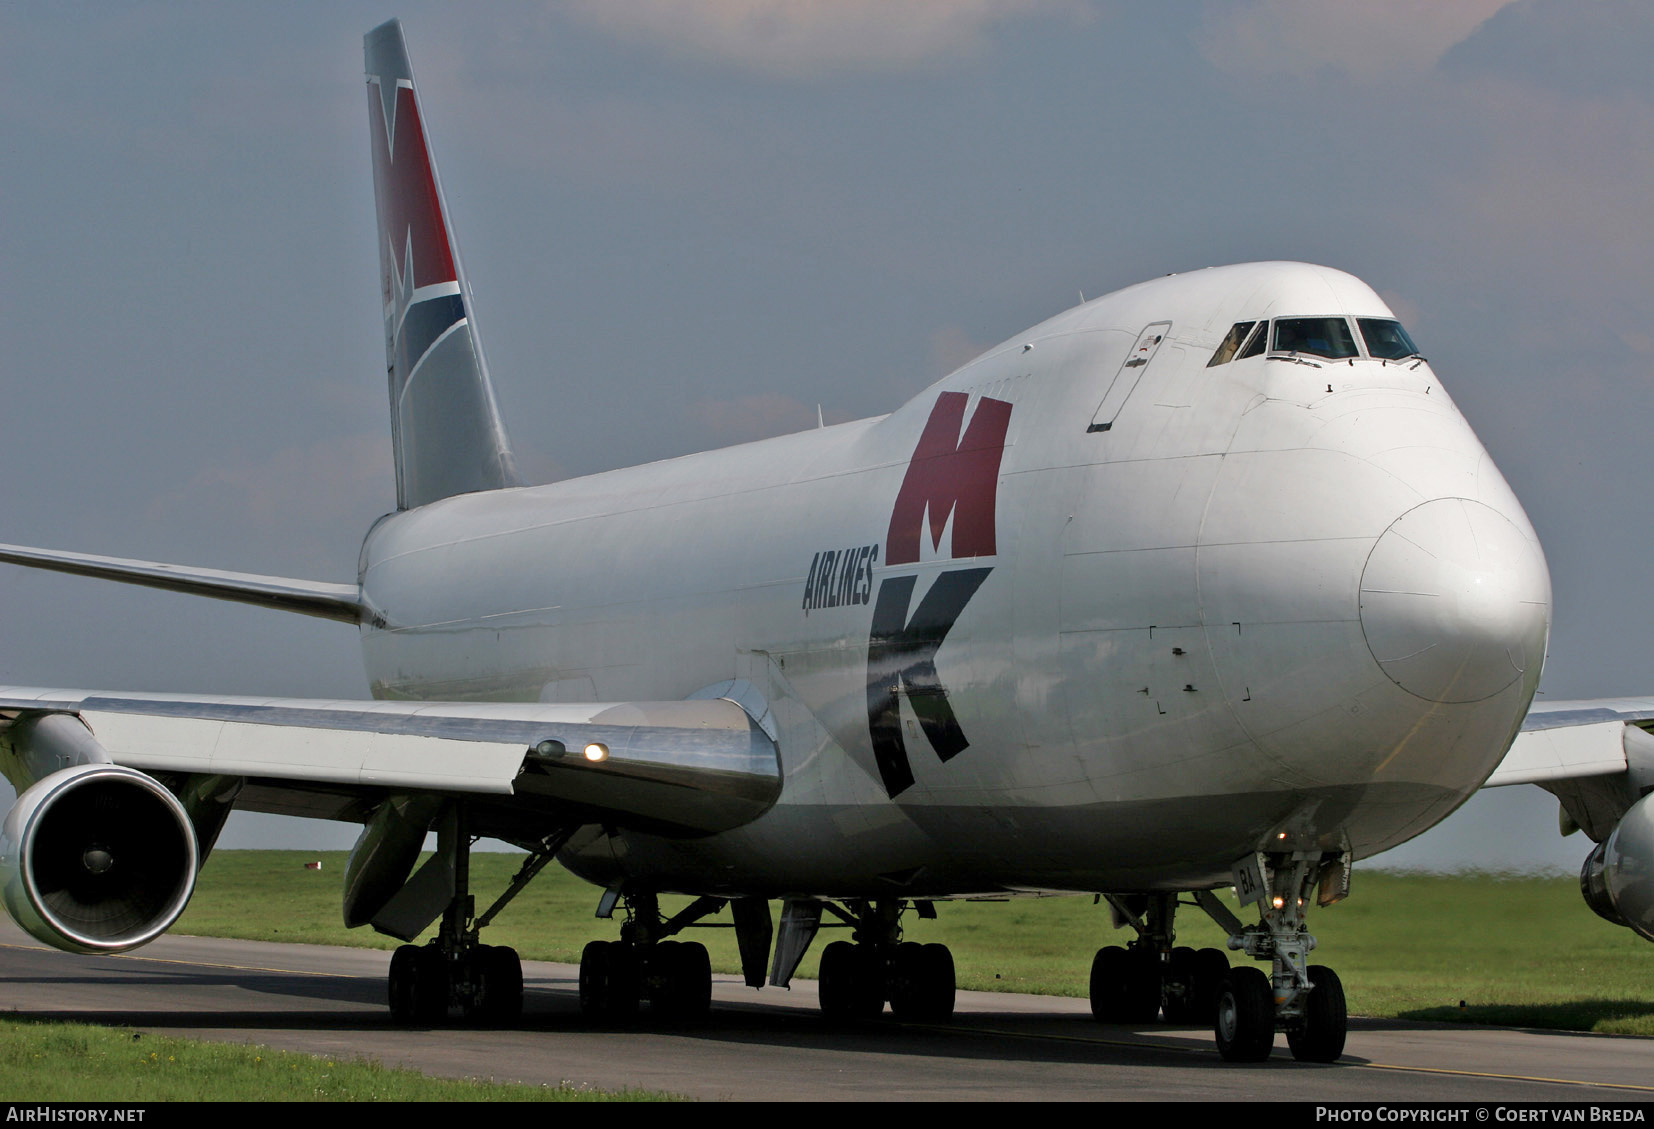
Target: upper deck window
x,y
1386,339
1319,337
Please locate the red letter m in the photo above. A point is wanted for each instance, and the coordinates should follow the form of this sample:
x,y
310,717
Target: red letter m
x,y
951,475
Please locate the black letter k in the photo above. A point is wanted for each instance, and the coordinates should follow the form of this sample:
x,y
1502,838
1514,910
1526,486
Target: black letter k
x,y
901,659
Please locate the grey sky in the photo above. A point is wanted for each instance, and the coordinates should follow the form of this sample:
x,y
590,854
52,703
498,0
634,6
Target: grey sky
x,y
689,223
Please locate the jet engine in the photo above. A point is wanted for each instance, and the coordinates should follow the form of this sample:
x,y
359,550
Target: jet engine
x,y
1617,879
97,859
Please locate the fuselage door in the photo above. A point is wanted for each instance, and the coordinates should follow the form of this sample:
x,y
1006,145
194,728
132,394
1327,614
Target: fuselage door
x,y
1131,371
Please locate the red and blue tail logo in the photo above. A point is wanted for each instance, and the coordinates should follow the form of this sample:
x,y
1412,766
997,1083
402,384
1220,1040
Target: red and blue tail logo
x,y
444,424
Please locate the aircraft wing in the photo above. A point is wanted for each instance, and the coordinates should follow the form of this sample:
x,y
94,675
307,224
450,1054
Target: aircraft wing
x,y
692,767
1569,740
1597,759
308,597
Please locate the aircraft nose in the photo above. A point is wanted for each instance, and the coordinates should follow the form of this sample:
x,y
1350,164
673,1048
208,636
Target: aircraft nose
x,y
1456,601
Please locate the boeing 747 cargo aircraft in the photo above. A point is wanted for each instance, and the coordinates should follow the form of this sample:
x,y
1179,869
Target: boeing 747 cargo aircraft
x,y
1204,583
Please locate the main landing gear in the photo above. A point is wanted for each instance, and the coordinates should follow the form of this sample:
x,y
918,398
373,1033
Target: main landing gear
x,y
673,977
858,977
485,980
454,969
1137,982
1244,1006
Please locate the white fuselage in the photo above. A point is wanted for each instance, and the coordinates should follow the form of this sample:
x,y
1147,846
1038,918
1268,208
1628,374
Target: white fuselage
x,y
1280,602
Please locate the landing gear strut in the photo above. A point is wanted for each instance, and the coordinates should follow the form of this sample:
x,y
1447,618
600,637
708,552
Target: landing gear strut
x,y
673,977
455,969
1304,1000
1137,982
858,977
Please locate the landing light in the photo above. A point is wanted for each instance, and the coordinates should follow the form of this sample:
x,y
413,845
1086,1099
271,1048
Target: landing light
x,y
596,751
1277,901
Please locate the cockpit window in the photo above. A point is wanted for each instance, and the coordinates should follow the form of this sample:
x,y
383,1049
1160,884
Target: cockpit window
x,y
1232,342
1386,339
1319,337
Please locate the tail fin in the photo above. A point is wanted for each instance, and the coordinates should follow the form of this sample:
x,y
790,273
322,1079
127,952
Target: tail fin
x,y
445,426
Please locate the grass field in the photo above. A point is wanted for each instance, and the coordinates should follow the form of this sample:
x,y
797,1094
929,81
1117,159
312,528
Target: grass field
x,y
1518,951
71,1062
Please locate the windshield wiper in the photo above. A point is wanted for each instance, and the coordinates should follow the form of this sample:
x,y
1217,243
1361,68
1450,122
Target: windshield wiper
x,y
1294,358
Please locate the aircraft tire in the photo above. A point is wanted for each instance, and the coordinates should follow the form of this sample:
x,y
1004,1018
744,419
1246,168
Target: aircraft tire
x,y
1326,1021
940,982
403,985
594,978
1108,973
1143,987
1210,967
500,973
609,981
1181,986
1245,1023
851,987
1125,986
690,969
430,985
922,983
661,986
907,982
625,984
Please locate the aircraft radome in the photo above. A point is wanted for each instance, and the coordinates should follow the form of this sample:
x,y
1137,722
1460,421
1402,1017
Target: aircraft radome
x,y
1203,583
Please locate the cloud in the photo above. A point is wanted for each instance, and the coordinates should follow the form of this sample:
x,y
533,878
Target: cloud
x,y
1599,49
810,38
1364,40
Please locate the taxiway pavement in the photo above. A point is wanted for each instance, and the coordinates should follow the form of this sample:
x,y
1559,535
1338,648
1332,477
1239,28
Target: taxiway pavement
x,y
774,1045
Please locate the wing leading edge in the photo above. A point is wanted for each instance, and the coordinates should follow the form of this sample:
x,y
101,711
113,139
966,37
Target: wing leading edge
x,y
122,796
695,766
1572,740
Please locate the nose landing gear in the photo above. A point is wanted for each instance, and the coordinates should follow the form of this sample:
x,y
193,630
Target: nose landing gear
x,y
1304,1000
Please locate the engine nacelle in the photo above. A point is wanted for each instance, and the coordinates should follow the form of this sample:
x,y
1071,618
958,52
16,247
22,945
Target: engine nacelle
x,y
97,859
1617,879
